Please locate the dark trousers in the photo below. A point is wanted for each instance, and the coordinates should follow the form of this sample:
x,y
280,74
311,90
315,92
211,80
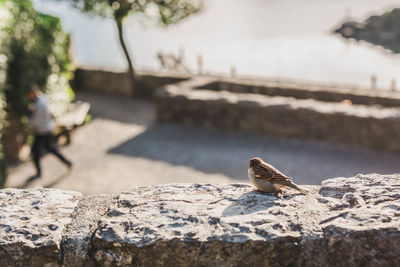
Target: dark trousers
x,y
45,143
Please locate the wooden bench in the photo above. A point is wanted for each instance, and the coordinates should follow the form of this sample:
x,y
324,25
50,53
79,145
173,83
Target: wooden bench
x,y
72,118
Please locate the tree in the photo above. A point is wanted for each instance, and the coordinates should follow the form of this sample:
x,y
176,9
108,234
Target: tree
x,y
167,12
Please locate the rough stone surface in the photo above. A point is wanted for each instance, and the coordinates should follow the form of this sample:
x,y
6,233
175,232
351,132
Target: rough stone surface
x,y
31,223
344,222
369,126
116,82
77,236
325,93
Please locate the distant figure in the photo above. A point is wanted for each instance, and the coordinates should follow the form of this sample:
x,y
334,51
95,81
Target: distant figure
x,y
393,85
170,62
373,82
43,126
200,64
233,72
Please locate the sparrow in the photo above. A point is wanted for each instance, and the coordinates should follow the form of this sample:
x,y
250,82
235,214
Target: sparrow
x,y
268,179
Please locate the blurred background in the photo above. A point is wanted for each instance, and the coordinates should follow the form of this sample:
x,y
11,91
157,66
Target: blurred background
x,y
265,38
113,56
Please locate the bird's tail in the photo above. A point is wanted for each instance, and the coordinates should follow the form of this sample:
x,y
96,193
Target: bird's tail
x,y
290,184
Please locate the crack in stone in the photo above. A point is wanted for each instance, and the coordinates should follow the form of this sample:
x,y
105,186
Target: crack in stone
x,y
334,218
76,242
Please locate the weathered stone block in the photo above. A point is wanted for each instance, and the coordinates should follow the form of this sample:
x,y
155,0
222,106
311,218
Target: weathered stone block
x,y
325,93
31,223
344,222
349,222
77,235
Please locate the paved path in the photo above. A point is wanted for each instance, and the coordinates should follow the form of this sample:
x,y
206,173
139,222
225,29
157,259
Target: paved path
x,y
124,147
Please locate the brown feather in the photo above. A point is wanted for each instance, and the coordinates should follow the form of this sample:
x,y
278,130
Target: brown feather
x,y
267,172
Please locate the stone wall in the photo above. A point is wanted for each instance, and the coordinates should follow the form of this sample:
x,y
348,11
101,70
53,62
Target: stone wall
x,y
324,93
369,118
344,222
371,126
115,81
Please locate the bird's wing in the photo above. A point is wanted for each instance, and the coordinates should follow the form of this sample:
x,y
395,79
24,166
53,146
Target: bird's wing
x,y
269,173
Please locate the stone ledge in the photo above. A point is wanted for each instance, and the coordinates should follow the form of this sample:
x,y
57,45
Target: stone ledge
x,y
117,81
31,223
343,222
320,92
370,126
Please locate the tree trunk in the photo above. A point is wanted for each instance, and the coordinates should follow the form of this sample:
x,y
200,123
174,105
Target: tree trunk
x,y
131,70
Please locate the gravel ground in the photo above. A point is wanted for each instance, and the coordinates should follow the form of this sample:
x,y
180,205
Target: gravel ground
x,y
123,146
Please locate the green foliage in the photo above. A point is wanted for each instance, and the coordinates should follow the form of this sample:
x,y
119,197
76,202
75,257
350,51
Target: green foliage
x,y
88,118
33,50
37,53
3,70
167,11
173,11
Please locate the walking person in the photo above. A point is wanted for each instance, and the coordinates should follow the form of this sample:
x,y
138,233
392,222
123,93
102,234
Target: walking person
x,y
43,126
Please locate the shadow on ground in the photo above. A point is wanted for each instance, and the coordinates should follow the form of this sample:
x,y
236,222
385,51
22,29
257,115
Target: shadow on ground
x,y
31,180
215,151
118,108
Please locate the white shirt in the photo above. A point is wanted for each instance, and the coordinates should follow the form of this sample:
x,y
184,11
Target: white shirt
x,y
42,119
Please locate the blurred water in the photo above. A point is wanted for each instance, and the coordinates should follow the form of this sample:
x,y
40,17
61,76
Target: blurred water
x,y
269,38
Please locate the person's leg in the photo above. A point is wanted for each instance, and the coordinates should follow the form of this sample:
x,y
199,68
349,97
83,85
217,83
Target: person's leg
x,y
37,149
52,148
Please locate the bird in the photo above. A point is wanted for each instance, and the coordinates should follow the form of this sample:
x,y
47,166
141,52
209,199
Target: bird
x,y
268,179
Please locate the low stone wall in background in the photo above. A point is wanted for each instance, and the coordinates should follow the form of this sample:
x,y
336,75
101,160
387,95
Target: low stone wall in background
x,y
369,118
371,126
117,82
298,90
344,222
